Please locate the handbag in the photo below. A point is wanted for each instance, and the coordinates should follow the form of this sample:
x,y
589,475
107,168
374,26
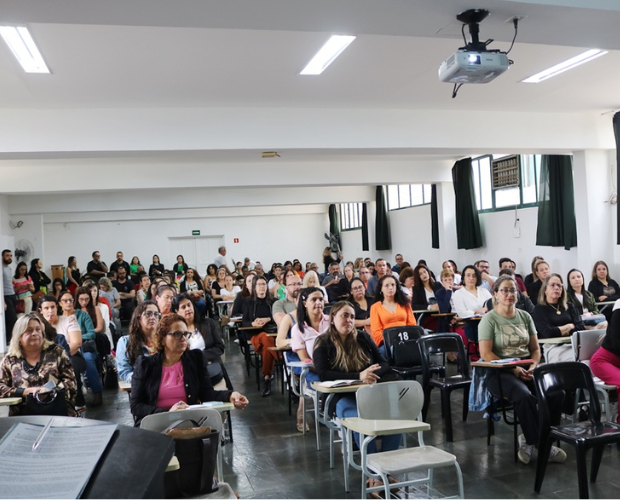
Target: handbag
x,y
215,372
37,296
196,449
46,403
20,306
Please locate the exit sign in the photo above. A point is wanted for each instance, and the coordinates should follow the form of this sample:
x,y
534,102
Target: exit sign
x,y
196,232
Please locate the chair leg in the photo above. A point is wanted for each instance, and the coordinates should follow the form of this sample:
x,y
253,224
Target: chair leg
x,y
427,402
597,455
582,472
445,403
459,474
465,404
544,448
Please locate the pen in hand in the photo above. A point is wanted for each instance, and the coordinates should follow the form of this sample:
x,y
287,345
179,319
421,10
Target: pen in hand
x,y
40,437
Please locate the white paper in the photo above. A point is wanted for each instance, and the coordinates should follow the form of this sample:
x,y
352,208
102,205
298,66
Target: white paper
x,y
59,468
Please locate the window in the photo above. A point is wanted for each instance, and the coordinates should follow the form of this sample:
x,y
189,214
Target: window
x,y
525,194
408,195
350,216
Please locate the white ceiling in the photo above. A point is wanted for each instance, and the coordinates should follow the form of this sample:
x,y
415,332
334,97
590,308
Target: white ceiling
x,y
207,54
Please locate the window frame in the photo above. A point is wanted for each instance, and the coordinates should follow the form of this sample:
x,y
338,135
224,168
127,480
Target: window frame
x,y
478,193
426,191
346,215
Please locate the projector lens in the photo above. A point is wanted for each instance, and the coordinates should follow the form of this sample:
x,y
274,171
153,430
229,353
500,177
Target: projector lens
x,y
474,58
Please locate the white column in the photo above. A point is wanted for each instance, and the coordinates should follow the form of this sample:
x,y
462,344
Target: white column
x,y
593,186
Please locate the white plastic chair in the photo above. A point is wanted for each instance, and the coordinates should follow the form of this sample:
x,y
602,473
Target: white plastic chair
x,y
384,407
157,422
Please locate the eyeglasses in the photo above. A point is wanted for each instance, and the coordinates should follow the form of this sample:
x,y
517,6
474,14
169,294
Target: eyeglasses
x,y
179,335
151,314
555,285
294,285
357,288
67,300
508,291
364,272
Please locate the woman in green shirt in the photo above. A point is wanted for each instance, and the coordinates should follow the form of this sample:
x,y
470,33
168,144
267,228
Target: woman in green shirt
x,y
508,332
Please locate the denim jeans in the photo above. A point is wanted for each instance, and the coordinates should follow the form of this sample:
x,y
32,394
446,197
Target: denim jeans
x,y
91,372
347,407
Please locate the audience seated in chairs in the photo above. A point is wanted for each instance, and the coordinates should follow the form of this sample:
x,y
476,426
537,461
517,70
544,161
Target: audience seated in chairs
x,y
541,271
139,342
111,294
392,308
344,353
31,361
192,285
205,336
584,301
603,287
312,279
362,302
163,297
256,311
470,300
423,295
523,301
174,377
555,317
126,291
507,332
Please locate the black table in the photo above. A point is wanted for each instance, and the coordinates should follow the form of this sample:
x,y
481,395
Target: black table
x,y
132,466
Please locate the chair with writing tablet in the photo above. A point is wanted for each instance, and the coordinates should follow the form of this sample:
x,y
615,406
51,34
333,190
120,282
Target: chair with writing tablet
x,y
403,352
158,422
383,406
585,343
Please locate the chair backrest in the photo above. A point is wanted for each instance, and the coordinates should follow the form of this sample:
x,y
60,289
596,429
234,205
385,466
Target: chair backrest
x,y
399,400
562,380
443,343
586,343
159,421
401,345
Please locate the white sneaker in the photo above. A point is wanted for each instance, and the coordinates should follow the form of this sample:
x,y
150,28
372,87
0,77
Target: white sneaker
x,y
557,454
525,453
521,440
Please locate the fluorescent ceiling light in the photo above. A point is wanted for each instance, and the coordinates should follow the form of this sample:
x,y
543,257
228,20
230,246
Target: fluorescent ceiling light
x,y
21,43
565,66
324,57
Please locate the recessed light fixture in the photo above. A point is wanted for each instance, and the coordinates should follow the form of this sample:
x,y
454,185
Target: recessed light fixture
x,y
24,49
324,57
571,63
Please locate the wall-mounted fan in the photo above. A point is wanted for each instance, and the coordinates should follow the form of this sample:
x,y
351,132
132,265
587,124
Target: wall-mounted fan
x,y
24,251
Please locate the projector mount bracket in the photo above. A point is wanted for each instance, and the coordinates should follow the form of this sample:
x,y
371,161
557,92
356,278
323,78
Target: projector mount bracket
x,y
473,18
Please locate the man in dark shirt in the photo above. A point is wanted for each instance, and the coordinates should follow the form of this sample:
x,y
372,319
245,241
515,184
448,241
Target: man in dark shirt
x,y
96,268
127,292
118,263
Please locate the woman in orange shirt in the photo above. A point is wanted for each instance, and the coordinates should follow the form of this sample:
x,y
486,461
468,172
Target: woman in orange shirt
x,y
392,308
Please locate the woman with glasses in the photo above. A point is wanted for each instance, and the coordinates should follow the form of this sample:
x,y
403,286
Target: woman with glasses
x,y
392,308
79,330
205,337
142,325
508,332
256,312
174,377
361,302
555,317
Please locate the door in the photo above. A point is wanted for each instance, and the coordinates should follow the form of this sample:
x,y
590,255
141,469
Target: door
x,y
198,251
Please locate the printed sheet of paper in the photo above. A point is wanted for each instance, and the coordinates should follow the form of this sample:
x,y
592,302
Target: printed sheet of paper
x,y
59,468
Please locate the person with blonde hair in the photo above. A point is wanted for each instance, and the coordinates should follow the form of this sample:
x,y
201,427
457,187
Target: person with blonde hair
x,y
31,361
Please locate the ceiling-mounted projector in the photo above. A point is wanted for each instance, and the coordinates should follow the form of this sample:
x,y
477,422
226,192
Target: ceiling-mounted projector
x,y
467,66
474,63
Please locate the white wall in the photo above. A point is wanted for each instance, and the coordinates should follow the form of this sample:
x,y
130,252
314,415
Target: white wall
x,y
264,238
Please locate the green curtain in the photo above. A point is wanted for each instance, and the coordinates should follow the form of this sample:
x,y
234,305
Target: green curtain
x,y
468,233
434,218
556,203
382,226
616,122
365,245
334,223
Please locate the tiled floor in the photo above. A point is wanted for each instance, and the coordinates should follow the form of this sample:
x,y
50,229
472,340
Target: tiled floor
x,y
270,459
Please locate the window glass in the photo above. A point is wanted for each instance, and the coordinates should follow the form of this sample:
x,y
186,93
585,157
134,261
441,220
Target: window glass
x,y
404,196
508,197
393,197
350,216
417,196
427,192
485,183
